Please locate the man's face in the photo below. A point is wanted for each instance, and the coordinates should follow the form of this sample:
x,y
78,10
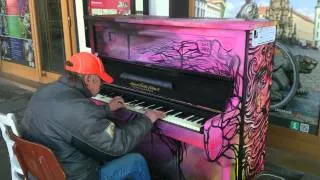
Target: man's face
x,y
93,83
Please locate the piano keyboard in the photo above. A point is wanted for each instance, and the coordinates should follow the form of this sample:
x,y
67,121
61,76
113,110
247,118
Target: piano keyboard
x,y
189,121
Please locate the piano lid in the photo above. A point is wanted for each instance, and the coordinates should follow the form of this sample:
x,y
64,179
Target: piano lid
x,y
226,24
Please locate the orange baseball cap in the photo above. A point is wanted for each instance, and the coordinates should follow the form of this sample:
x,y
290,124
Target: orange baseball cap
x,y
87,63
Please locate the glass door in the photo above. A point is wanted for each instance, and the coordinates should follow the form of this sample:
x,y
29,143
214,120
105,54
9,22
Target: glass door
x,y
51,37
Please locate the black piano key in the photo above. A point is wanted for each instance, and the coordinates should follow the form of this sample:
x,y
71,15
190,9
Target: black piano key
x,y
183,115
108,93
127,98
114,94
194,118
201,122
165,109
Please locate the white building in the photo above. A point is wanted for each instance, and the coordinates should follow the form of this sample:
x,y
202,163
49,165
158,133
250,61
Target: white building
x,y
200,8
209,8
316,25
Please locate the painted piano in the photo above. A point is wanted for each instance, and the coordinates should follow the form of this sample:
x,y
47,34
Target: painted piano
x,y
212,77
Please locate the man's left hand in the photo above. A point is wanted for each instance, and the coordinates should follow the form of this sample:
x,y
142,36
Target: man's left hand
x,y
116,103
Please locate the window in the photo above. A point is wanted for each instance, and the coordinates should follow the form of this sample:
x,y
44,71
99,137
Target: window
x,y
15,33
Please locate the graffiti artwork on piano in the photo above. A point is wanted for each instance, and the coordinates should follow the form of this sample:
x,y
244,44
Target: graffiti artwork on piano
x,y
257,107
236,136
206,56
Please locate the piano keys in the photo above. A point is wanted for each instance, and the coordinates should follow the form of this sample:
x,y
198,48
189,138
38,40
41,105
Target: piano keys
x,y
173,116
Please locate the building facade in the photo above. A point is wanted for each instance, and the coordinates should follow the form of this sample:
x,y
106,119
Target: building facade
x,y
291,25
303,28
280,11
210,8
317,25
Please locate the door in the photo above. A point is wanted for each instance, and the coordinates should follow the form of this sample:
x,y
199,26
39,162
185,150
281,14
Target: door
x,y
55,33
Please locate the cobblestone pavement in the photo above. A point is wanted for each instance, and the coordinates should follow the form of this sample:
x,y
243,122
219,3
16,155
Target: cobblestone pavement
x,y
309,81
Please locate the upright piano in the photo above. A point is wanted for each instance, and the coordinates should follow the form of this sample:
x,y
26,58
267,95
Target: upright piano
x,y
212,78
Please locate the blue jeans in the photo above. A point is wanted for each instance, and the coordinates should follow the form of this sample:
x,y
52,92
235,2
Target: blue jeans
x,y
130,166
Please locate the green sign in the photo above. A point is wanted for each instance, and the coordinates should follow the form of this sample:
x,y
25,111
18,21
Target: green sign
x,y
295,125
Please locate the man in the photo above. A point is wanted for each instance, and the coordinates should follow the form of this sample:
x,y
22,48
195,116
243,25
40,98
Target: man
x,y
62,117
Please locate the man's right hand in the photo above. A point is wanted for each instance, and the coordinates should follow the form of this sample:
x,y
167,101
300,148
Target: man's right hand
x,y
154,115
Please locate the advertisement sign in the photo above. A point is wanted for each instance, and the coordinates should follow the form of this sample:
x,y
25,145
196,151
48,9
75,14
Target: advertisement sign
x,y
107,7
15,32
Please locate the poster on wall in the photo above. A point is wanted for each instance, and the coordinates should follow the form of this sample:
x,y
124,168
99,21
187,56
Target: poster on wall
x,y
5,48
295,91
15,32
107,7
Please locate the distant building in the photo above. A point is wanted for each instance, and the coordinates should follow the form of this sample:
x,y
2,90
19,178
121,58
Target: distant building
x,y
290,23
303,28
210,8
316,25
280,11
263,12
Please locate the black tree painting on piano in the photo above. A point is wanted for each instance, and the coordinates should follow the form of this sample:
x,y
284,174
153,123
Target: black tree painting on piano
x,y
206,56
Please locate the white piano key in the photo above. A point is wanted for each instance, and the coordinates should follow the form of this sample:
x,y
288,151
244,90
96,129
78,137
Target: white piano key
x,y
158,108
198,120
131,101
193,125
139,103
149,106
169,111
177,114
188,117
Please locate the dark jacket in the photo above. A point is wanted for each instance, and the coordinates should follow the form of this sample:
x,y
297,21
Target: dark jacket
x,y
62,117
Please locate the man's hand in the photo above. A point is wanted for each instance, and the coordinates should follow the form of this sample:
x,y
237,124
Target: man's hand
x,y
154,115
116,103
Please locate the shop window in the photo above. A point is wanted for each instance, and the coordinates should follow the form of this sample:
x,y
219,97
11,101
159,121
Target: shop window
x,y
15,32
297,30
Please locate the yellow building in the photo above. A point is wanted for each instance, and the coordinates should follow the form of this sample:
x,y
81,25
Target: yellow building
x,y
303,27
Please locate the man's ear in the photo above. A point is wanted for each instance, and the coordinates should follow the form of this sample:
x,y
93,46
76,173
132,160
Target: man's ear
x,y
87,79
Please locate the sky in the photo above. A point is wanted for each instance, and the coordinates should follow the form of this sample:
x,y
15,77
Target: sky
x,y
306,7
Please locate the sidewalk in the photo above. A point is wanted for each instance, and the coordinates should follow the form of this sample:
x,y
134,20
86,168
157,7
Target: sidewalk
x,y
14,98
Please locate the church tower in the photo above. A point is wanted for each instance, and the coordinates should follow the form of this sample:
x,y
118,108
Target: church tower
x,y
317,25
280,11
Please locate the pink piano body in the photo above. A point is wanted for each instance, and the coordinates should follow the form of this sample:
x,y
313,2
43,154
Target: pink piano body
x,y
233,143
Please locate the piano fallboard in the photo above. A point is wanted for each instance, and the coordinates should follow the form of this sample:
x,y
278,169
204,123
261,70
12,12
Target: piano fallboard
x,y
197,89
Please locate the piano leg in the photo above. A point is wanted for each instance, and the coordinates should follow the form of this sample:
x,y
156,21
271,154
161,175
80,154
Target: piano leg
x,y
226,172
